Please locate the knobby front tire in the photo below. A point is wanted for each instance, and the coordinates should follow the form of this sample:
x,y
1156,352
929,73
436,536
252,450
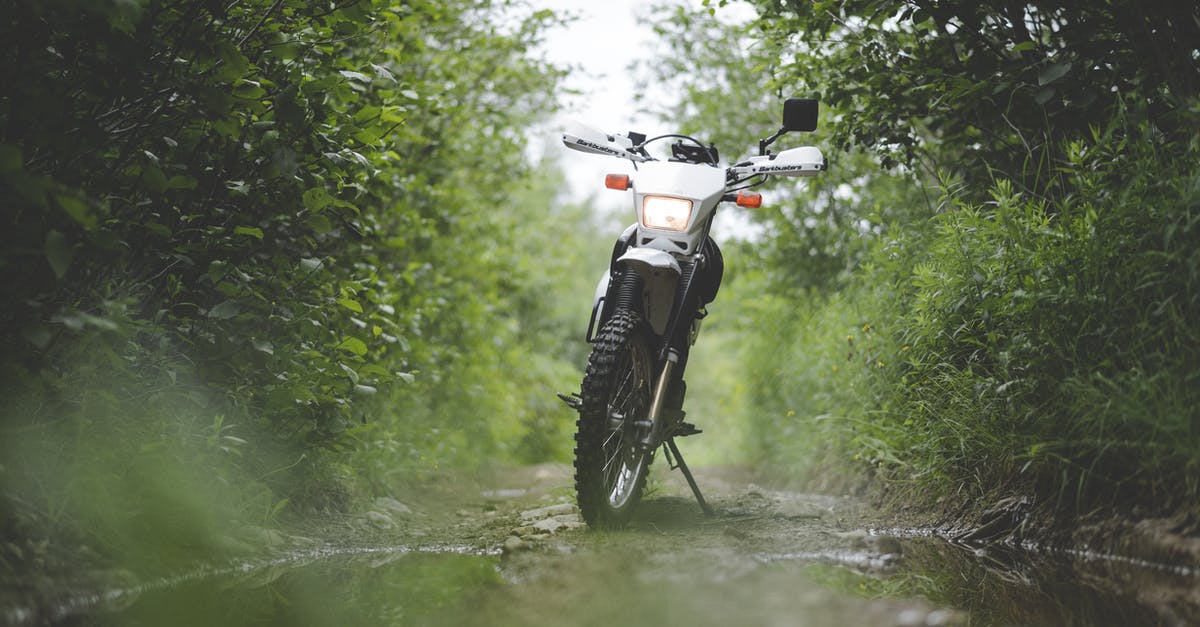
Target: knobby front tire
x,y
610,465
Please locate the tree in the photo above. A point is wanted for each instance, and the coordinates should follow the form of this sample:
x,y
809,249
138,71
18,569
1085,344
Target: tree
x,y
991,83
254,188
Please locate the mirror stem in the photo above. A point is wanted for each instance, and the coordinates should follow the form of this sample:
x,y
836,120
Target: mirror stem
x,y
763,143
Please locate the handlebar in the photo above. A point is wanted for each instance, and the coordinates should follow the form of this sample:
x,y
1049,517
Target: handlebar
x,y
803,161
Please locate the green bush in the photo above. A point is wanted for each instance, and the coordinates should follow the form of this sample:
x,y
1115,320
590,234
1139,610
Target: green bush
x,y
1024,342
234,232
1009,302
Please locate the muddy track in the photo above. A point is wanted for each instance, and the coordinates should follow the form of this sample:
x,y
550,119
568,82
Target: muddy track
x,y
511,550
774,556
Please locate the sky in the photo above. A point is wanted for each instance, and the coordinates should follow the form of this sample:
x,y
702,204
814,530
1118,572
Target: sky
x,y
599,45
607,37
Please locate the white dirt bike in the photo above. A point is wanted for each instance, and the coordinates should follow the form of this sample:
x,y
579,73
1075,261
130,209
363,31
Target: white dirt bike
x,y
646,314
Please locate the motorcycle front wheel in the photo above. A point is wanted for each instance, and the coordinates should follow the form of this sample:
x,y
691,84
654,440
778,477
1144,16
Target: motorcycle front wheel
x,y
610,463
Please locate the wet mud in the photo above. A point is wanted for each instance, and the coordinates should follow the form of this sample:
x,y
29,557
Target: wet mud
x,y
512,551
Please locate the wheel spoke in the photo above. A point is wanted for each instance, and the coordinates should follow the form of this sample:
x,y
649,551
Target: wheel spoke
x,y
616,433
621,395
612,453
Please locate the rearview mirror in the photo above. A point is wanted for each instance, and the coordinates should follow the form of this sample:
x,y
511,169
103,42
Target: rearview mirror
x,y
800,114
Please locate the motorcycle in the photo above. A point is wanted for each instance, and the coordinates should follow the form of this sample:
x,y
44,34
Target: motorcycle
x,y
648,306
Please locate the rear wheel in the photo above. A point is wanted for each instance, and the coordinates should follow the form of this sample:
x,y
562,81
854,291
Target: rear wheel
x,y
610,463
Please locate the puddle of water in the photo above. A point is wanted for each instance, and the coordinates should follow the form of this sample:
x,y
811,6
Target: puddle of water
x,y
928,582
783,560
627,586
193,584
1019,587
363,588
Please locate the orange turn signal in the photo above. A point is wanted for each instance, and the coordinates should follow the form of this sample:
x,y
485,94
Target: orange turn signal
x,y
617,181
749,199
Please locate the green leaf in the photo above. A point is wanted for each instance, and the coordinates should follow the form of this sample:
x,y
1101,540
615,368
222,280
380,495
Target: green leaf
x,y
393,114
367,113
180,181
320,223
252,231
370,134
249,90
384,72
154,179
366,390
349,372
356,76
1023,46
263,346
226,126
225,310
317,198
79,210
58,253
375,370
351,304
1053,72
287,51
353,345
309,265
406,377
235,64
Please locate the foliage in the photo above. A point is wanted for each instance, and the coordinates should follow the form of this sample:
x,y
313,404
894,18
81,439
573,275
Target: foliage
x,y
987,85
1014,313
1032,346
1053,341
264,223
264,181
813,230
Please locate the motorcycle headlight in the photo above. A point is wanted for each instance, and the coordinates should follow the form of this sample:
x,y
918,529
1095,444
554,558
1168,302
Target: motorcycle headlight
x,y
665,213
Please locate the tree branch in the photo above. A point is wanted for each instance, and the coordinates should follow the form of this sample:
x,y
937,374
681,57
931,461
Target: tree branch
x,y
262,20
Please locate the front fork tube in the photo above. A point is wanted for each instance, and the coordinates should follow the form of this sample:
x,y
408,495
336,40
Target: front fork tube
x,y
653,439
676,336
659,398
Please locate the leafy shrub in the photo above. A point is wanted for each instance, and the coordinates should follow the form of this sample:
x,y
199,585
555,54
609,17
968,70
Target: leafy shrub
x,y
248,227
1025,342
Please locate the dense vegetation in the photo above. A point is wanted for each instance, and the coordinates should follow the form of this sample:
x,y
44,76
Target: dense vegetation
x,y
268,256
994,290
267,253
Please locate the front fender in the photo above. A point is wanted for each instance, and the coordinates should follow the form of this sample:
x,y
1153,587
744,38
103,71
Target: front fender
x,y
660,272
646,260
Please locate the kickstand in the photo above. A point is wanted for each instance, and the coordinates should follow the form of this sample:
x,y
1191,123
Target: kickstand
x,y
682,466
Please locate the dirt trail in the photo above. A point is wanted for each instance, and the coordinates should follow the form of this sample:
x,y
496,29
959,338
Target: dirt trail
x,y
512,551
760,561
774,556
